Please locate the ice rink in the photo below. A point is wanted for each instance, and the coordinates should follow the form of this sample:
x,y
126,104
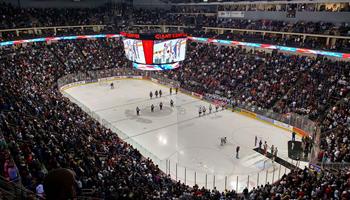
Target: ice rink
x,y
182,143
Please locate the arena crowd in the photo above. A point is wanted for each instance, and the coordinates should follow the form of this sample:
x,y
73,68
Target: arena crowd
x,y
40,130
50,127
124,15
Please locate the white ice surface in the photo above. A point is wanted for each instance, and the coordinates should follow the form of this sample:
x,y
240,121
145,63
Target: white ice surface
x,y
188,141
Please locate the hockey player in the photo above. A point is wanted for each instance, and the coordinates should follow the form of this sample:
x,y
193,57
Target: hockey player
x,y
171,103
275,153
272,149
223,141
161,106
204,110
176,90
112,85
216,107
156,93
260,144
137,111
237,152
265,148
171,91
210,108
200,111
160,93
150,95
152,108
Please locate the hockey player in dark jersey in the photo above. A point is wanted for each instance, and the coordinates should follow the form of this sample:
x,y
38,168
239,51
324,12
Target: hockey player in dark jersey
x,y
137,111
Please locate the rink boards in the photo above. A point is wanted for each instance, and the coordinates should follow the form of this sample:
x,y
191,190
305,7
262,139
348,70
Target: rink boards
x,y
244,112
191,159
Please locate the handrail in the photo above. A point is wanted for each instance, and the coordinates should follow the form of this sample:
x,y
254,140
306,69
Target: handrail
x,y
277,32
194,13
182,26
52,27
250,30
18,190
219,3
2,137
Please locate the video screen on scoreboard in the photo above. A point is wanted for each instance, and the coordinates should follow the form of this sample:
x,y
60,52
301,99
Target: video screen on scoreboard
x,y
134,50
169,51
156,67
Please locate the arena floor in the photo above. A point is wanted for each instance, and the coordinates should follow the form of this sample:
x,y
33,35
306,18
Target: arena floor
x,y
188,141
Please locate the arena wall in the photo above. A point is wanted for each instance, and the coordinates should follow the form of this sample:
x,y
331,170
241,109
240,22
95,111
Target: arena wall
x,y
335,17
150,4
60,4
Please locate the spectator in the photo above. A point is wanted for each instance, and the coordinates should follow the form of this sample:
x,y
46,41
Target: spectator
x,y
59,184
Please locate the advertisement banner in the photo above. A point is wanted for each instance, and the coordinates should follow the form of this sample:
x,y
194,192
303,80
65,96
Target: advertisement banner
x,y
197,95
185,91
300,132
91,81
107,79
230,14
283,125
248,113
215,97
71,85
154,80
265,118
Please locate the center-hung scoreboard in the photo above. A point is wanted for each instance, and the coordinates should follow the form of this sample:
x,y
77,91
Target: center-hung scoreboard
x,y
159,51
